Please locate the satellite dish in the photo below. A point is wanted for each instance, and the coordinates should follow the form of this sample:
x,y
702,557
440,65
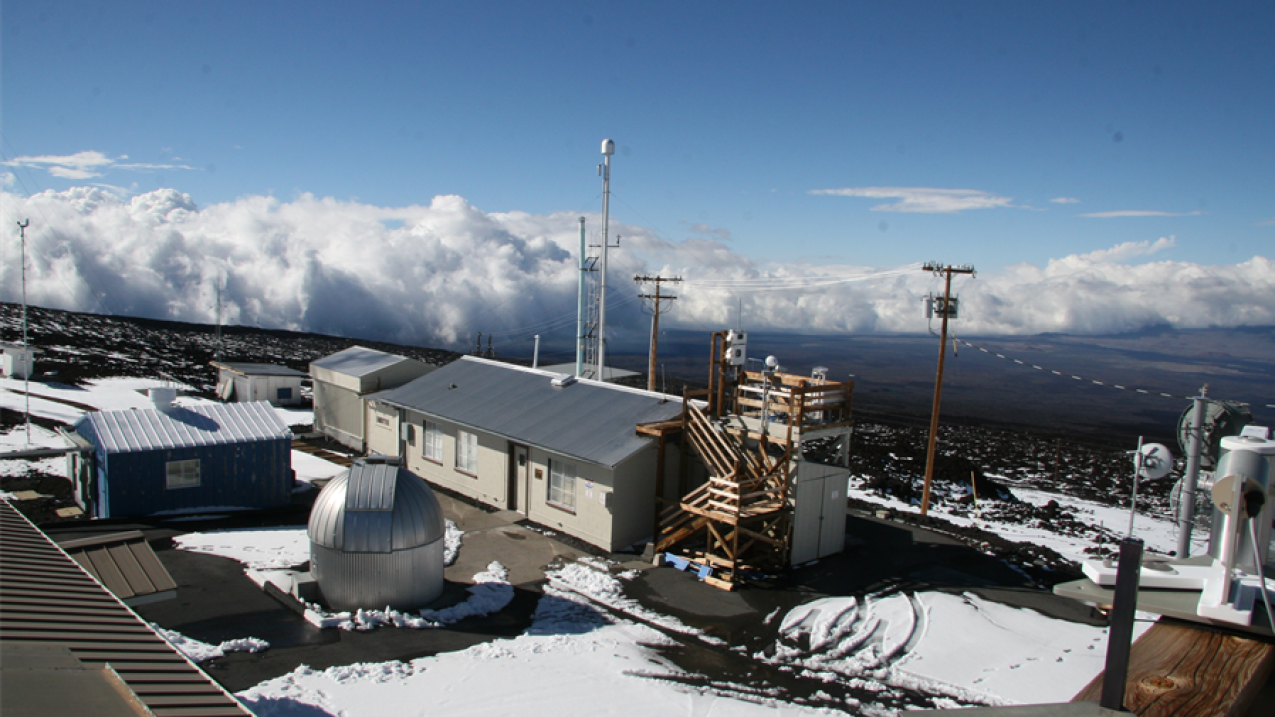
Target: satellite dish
x,y
1220,420
1155,461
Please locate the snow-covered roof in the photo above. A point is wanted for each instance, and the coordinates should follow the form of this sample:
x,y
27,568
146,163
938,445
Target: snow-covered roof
x,y
198,425
358,361
257,369
589,420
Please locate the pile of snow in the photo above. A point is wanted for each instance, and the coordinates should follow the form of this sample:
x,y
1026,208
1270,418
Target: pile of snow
x,y
490,593
591,579
197,651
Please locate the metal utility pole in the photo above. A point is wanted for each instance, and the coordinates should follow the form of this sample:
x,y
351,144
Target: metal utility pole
x,y
655,319
26,349
608,149
1186,498
947,311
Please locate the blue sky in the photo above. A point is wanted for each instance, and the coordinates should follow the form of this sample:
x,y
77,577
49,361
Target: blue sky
x,y
1089,159
728,116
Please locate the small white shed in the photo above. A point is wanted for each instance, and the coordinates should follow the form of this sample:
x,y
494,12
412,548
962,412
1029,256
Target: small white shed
x,y
16,360
344,378
248,382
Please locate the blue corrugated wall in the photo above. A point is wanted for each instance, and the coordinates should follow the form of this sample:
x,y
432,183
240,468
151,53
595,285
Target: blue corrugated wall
x,y
243,475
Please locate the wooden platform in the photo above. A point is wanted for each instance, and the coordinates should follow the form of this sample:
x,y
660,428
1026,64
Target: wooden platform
x,y
1186,671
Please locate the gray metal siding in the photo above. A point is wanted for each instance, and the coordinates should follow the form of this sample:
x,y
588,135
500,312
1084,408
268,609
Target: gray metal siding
x,y
416,517
400,579
376,539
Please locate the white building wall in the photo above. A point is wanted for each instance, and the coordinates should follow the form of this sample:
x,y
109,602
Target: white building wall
x,y
613,509
382,429
489,485
339,414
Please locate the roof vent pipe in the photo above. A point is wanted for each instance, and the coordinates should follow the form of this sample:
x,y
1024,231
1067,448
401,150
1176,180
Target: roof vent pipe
x,y
162,397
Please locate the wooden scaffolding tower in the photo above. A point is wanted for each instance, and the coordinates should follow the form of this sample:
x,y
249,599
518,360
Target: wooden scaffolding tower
x,y
746,429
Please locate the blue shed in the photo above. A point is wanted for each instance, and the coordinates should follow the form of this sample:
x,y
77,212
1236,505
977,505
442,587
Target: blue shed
x,y
177,459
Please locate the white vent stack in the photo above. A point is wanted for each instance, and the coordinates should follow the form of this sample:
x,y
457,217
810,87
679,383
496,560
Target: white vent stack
x,y
162,397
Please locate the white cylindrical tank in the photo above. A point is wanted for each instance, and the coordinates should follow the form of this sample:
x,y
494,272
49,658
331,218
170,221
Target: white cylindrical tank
x,y
1247,457
376,539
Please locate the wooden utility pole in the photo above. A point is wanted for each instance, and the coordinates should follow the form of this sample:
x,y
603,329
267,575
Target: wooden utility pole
x,y
947,310
655,319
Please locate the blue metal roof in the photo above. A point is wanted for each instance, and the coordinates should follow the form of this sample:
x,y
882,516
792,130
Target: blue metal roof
x,y
587,420
358,361
208,424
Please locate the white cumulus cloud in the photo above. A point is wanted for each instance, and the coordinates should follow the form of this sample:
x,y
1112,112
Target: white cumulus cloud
x,y
437,274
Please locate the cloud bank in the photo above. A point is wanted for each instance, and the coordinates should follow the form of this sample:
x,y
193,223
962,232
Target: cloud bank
x,y
436,275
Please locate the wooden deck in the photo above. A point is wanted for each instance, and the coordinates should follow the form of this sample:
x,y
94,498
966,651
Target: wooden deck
x,y
1180,670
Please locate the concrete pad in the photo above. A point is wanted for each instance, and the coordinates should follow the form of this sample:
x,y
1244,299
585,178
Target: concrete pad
x,y
524,552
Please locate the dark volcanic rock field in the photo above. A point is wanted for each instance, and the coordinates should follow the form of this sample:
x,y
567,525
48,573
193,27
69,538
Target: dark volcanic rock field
x,y
887,451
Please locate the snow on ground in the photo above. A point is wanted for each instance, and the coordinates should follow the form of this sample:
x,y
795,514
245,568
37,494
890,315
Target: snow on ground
x,y
198,651
590,578
310,467
572,660
1158,533
969,649
279,548
295,416
57,401
256,548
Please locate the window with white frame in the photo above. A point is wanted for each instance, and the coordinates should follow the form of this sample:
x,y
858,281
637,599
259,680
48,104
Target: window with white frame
x,y
467,452
562,484
433,448
182,474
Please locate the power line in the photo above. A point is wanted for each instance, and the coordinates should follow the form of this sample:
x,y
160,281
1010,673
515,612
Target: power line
x,y
1096,382
655,318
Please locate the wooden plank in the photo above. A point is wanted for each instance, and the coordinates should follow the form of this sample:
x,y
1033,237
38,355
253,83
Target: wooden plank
x,y
1185,671
719,583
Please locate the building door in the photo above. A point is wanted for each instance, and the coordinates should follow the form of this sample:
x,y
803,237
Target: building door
x,y
519,469
819,512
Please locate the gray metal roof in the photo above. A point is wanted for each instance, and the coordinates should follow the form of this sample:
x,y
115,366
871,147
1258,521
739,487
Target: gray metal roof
x,y
59,629
375,508
588,420
206,424
358,361
258,369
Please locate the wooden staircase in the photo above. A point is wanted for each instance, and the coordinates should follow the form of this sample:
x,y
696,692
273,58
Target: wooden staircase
x,y
748,432
742,506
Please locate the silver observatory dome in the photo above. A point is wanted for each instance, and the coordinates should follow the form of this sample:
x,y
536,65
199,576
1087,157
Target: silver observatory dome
x,y
376,539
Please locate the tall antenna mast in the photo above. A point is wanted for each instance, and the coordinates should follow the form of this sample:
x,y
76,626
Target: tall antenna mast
x,y
26,349
581,332
608,149
217,353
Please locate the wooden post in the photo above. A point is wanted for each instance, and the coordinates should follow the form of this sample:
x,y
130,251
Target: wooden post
x,y
655,321
938,381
